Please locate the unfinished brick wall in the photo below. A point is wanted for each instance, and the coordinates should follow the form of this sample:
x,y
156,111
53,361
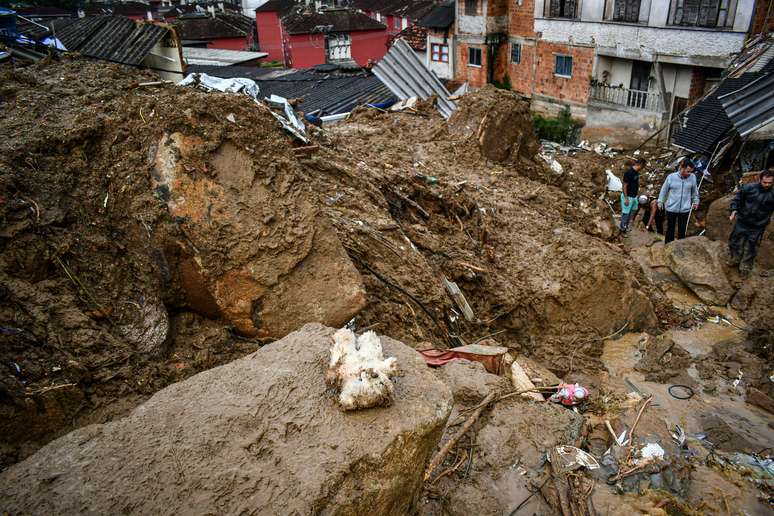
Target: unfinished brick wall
x,y
521,74
497,7
476,76
522,21
573,89
698,82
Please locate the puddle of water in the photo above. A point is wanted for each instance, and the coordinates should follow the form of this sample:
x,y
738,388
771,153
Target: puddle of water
x,y
699,341
622,354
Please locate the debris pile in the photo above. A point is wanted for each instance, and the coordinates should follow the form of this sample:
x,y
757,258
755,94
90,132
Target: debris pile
x,y
151,232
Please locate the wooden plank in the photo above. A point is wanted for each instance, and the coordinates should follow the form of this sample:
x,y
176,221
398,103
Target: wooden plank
x,y
459,299
759,399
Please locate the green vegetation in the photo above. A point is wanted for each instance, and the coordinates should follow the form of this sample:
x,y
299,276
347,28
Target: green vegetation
x,y
562,129
505,84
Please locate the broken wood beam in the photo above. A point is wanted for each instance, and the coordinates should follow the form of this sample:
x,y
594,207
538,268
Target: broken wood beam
x,y
459,298
760,400
306,150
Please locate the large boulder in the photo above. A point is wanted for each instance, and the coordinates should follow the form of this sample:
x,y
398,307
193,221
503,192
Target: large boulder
x,y
260,435
259,254
719,228
697,261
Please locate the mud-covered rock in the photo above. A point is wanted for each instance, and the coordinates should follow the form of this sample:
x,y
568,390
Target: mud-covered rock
x,y
697,261
260,257
469,381
719,228
663,359
258,435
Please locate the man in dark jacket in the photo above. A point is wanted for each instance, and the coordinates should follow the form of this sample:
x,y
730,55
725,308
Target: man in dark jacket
x,y
751,209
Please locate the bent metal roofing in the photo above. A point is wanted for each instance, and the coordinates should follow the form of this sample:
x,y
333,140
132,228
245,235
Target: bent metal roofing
x,y
112,38
322,93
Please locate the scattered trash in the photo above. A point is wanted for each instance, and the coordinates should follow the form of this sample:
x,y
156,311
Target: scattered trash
x,y
678,435
231,118
570,395
574,458
431,180
649,453
210,83
491,356
614,184
290,122
555,166
686,394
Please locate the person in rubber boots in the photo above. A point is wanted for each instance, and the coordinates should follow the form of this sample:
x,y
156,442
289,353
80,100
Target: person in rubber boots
x,y
751,210
629,195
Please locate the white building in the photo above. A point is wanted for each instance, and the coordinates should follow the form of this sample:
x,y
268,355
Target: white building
x,y
651,57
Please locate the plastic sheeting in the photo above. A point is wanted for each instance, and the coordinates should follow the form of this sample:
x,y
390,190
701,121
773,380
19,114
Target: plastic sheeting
x,y
233,85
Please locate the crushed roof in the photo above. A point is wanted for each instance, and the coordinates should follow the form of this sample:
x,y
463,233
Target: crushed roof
x,y
223,25
439,17
322,93
340,20
747,92
414,35
112,38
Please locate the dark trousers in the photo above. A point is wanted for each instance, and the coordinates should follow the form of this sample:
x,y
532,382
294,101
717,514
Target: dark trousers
x,y
679,220
743,245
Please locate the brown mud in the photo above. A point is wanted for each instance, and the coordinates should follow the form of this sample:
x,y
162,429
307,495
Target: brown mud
x,y
152,233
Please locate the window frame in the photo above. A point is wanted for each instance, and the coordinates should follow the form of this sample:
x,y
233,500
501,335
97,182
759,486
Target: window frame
x,y
480,57
565,59
515,46
441,51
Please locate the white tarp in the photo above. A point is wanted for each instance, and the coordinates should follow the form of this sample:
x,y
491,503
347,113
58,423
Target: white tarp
x,y
209,83
613,183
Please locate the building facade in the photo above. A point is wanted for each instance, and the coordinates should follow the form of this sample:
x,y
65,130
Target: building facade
x,y
302,39
617,64
440,54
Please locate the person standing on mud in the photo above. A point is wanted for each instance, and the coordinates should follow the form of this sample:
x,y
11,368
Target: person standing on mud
x,y
679,196
629,195
751,210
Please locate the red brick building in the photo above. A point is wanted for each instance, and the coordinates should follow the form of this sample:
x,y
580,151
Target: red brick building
x,y
307,38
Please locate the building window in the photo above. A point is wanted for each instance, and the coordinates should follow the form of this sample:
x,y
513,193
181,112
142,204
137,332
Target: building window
x,y
626,11
702,13
471,7
516,53
563,66
396,22
474,56
562,8
439,53
339,46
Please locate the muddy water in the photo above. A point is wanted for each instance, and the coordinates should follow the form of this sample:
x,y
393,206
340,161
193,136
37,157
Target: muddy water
x,y
751,423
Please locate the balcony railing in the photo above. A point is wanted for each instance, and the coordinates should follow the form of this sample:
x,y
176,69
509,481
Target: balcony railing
x,y
635,99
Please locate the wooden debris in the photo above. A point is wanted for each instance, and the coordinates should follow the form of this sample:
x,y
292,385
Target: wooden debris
x,y
439,457
459,299
522,382
759,399
306,150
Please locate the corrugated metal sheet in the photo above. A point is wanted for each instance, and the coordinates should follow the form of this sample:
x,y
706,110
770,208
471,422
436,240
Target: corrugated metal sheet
x,y
112,38
406,76
751,107
706,122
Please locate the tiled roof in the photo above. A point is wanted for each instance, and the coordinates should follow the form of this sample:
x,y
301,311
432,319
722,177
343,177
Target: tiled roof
x,y
440,17
415,36
340,20
411,9
203,26
282,7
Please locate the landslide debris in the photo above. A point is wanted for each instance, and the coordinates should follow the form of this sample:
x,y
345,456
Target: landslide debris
x,y
259,435
146,236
